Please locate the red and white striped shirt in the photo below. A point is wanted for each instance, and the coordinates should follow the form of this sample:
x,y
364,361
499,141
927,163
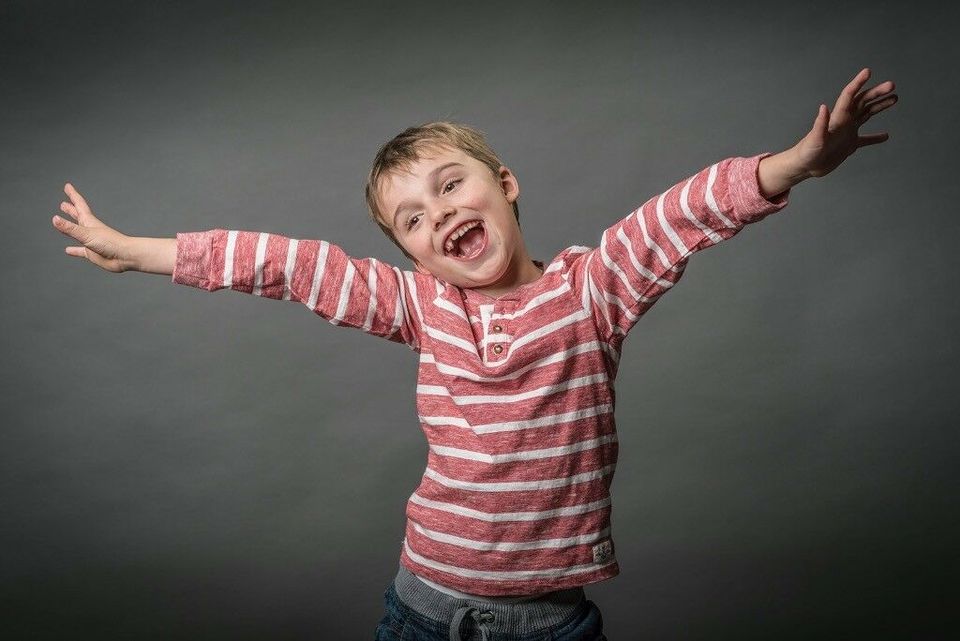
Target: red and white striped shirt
x,y
515,394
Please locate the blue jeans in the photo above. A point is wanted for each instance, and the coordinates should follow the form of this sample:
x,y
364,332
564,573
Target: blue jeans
x,y
403,624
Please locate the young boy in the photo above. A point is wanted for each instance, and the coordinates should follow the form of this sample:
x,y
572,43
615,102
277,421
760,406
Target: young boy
x,y
517,357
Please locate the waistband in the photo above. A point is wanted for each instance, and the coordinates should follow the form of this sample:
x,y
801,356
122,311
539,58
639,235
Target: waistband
x,y
524,617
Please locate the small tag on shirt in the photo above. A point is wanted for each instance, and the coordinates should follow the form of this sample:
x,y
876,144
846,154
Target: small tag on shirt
x,y
603,552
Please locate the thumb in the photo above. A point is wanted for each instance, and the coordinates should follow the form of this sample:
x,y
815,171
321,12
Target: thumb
x,y
819,131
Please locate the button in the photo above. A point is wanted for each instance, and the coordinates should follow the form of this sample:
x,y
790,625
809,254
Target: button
x,y
497,328
498,348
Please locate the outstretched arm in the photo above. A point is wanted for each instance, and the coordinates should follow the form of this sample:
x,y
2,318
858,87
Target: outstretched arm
x,y
644,255
832,139
363,293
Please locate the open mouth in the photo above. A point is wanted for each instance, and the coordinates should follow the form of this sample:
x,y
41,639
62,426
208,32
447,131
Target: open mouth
x,y
466,241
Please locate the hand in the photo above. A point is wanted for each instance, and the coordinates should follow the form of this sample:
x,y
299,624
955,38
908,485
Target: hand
x,y
835,135
102,245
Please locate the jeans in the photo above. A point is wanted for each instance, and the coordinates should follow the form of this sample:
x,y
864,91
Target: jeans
x,y
403,624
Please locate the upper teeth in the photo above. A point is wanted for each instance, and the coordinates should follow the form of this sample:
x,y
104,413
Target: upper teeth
x,y
457,233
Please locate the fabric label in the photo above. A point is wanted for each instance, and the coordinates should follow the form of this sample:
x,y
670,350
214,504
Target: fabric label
x,y
603,552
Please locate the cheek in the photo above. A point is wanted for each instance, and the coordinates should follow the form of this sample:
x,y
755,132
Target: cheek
x,y
479,200
420,243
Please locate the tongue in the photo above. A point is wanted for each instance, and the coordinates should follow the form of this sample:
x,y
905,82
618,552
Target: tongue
x,y
471,242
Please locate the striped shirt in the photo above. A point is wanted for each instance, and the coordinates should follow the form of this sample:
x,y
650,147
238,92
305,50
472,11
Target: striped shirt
x,y
515,394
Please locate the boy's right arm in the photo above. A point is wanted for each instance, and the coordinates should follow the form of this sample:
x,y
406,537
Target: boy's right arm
x,y
363,293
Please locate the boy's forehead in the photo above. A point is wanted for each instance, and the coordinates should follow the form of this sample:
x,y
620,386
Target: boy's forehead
x,y
400,179
430,157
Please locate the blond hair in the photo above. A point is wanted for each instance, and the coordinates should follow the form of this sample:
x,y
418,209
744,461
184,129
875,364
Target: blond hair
x,y
407,147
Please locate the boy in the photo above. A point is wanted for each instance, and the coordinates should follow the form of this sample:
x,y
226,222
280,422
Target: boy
x,y
517,357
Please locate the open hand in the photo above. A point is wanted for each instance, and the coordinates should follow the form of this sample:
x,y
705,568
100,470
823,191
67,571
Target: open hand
x,y
835,135
102,245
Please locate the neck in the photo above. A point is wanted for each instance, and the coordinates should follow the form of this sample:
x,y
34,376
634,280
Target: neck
x,y
523,272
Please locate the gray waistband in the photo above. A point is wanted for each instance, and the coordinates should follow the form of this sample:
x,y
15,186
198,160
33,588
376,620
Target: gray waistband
x,y
508,618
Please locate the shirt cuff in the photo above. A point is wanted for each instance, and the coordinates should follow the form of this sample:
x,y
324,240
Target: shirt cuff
x,y
192,266
749,204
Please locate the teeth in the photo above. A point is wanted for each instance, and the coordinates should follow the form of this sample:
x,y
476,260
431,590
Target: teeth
x,y
457,233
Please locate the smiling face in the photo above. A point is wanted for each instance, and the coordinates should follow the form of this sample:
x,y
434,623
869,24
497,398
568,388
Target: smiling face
x,y
456,219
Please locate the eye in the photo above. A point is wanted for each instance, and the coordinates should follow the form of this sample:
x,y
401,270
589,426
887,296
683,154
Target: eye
x,y
450,184
412,221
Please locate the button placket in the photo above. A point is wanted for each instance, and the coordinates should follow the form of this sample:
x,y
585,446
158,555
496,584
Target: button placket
x,y
498,328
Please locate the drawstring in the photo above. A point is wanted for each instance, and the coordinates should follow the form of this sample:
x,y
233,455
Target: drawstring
x,y
481,619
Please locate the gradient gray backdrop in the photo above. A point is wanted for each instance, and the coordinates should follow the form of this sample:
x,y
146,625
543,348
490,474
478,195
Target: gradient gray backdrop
x,y
185,464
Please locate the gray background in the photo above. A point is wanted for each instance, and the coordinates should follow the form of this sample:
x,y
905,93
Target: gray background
x,y
181,464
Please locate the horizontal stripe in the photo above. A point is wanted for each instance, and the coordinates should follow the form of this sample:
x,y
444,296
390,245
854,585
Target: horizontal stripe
x,y
228,258
511,426
344,298
525,455
573,383
558,357
259,261
288,266
711,201
519,486
638,267
667,228
318,271
544,331
544,421
372,287
685,206
509,546
502,517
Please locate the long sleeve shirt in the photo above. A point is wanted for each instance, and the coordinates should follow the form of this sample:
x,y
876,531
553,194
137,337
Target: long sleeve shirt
x,y
515,394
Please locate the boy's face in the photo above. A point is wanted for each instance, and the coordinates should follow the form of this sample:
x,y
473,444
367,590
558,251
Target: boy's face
x,y
428,207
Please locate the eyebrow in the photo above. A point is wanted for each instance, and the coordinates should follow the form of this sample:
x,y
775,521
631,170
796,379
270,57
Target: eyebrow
x,y
432,175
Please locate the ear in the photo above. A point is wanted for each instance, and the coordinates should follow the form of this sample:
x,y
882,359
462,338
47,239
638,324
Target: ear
x,y
509,184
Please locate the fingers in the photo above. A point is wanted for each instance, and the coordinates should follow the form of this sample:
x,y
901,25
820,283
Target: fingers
x,y
875,108
95,249
880,105
872,139
78,201
879,91
72,230
93,257
78,208
850,91
69,209
64,226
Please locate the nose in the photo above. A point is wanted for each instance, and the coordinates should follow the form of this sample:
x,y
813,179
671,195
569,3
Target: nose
x,y
441,214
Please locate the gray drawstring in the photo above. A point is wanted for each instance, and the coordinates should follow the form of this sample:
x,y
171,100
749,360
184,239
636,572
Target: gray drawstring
x,y
482,618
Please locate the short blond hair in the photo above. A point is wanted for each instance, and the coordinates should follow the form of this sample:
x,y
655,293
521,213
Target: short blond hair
x,y
408,146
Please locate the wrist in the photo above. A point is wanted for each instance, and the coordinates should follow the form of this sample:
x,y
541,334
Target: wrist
x,y
780,172
150,255
795,166
128,254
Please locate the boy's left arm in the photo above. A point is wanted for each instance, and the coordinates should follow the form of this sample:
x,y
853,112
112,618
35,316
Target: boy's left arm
x,y
642,256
